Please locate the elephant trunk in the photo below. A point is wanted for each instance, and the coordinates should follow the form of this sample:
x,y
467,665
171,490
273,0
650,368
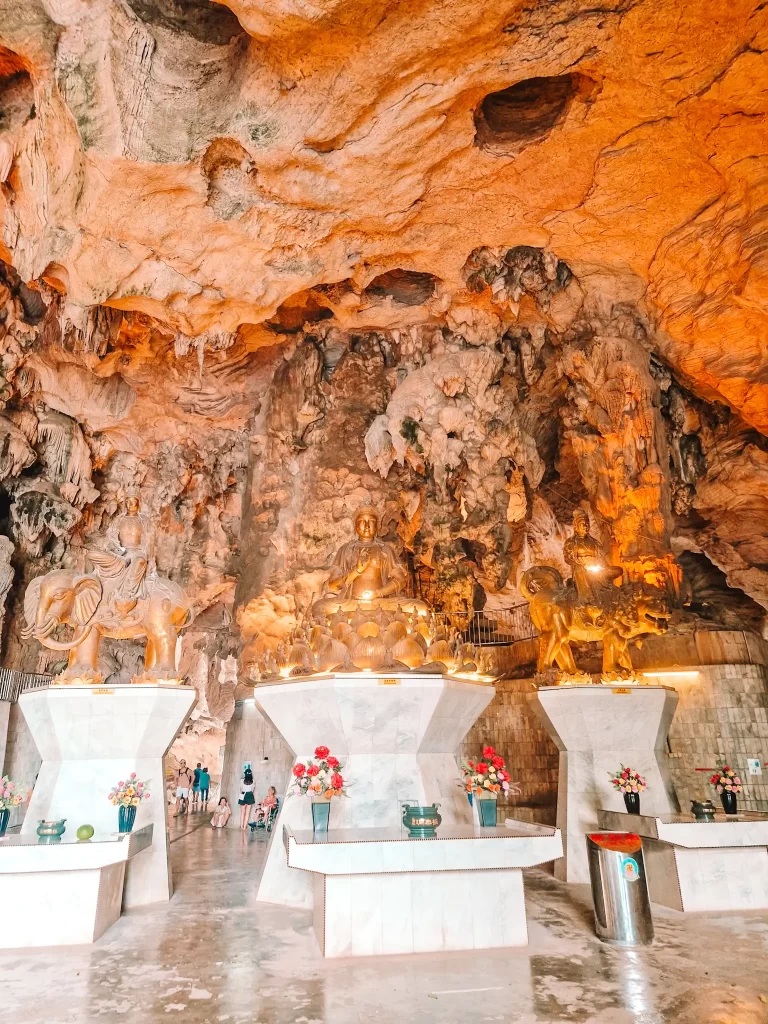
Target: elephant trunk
x,y
43,632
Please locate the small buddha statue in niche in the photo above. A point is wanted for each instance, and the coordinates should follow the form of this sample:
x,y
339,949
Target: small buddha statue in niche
x,y
367,572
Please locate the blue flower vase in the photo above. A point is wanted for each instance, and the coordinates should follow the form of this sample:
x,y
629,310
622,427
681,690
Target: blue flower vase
x,y
126,819
4,816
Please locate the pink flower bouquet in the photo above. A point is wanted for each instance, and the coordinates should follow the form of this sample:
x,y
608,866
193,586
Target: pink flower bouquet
x,y
627,780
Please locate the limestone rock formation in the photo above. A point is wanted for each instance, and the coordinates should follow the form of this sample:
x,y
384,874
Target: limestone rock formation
x,y
478,264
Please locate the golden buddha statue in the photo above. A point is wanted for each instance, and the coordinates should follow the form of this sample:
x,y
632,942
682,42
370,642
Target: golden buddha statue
x,y
590,575
366,573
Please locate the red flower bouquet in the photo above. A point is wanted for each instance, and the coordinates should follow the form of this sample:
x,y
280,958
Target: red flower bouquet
x,y
319,776
489,776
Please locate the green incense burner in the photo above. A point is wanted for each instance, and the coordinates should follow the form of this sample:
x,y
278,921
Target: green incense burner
x,y
47,830
421,821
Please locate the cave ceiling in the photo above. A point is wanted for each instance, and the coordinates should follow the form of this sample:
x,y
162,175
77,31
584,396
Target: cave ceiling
x,y
244,242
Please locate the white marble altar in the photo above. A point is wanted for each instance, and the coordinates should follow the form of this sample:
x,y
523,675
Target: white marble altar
x,y
376,891
63,893
597,729
90,738
701,865
397,739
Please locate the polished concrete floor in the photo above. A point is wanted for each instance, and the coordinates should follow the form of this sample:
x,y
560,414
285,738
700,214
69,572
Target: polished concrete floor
x,y
216,956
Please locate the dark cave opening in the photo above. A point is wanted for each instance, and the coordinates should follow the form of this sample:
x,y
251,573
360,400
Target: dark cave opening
x,y
408,287
508,120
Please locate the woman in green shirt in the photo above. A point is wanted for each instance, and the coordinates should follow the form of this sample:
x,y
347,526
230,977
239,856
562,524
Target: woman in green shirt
x,y
205,783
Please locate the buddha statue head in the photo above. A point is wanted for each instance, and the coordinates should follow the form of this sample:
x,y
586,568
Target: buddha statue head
x,y
580,523
366,523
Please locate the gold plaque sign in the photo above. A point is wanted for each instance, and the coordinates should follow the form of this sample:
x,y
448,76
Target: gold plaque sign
x,y
102,689
622,689
389,682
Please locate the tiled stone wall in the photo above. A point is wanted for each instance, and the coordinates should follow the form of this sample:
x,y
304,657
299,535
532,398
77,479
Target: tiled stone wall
x,y
250,737
511,725
722,714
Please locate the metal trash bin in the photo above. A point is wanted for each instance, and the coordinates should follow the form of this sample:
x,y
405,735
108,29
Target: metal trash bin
x,y
619,888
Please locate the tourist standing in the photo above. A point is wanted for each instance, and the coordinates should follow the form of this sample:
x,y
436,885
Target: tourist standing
x,y
196,786
183,786
205,785
221,814
247,799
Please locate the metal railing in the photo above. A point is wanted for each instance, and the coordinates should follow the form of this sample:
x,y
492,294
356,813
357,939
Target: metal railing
x,y
13,683
499,628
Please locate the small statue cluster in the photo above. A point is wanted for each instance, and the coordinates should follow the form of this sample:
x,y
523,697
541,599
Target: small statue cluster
x,y
365,622
125,598
590,606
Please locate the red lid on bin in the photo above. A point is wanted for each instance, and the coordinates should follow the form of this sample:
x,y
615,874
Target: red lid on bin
x,y
622,842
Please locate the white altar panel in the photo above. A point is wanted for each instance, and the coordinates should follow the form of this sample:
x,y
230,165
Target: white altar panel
x,y
596,729
420,913
90,738
397,740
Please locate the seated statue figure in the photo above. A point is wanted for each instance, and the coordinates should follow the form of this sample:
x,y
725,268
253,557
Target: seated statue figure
x,y
129,558
591,577
366,573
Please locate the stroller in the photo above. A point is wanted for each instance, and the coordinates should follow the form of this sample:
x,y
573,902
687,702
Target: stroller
x,y
265,824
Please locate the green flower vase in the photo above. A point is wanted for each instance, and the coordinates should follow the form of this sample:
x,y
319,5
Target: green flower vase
x,y
486,811
321,812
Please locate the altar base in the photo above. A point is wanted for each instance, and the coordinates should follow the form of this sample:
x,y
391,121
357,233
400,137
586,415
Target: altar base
x,y
597,729
702,865
377,891
397,740
89,739
66,893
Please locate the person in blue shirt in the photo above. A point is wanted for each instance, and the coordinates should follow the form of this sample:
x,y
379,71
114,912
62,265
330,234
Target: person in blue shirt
x,y
205,784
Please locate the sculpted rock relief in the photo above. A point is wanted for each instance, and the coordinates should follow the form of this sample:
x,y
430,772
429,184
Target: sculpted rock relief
x,y
125,598
366,620
596,603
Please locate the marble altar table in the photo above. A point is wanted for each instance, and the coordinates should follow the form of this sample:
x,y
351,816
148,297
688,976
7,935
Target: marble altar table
x,y
378,891
397,738
701,865
63,893
91,737
596,729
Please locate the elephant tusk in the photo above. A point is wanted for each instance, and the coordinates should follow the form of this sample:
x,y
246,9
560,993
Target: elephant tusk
x,y
39,631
